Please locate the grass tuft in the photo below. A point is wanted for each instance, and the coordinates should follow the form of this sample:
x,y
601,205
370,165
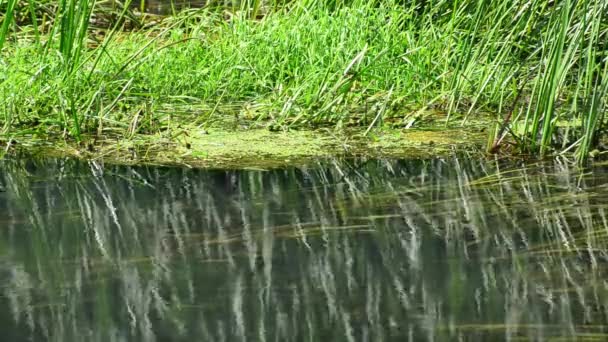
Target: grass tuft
x,y
305,63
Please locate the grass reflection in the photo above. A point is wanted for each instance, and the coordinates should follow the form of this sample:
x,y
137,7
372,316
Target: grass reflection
x,y
342,250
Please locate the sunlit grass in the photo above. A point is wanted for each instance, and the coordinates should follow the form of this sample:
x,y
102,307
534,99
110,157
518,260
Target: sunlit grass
x,y
310,63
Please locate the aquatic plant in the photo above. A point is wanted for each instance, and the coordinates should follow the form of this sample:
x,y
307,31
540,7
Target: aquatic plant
x,y
305,63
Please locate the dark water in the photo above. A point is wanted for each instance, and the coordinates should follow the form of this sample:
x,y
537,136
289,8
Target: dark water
x,y
435,250
171,6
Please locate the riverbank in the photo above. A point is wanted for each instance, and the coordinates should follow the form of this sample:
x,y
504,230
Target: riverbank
x,y
311,68
251,147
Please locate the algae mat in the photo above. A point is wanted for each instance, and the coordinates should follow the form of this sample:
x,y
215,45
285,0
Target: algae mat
x,y
248,148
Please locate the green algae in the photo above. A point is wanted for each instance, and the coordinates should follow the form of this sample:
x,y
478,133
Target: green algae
x,y
194,146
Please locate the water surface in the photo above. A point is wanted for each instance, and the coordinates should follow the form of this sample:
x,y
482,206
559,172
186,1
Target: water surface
x,y
171,6
365,250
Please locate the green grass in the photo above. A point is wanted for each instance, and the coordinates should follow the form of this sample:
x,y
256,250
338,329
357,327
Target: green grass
x,y
311,63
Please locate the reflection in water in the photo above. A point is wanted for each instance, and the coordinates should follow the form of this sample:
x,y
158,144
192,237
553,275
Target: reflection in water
x,y
342,251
